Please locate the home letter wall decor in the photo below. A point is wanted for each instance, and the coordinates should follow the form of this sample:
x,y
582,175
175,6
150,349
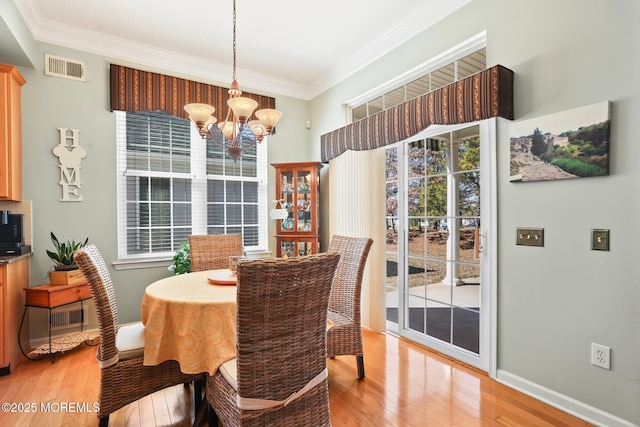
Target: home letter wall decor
x,y
70,154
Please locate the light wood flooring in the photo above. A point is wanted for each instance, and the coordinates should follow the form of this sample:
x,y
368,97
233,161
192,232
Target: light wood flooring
x,y
405,385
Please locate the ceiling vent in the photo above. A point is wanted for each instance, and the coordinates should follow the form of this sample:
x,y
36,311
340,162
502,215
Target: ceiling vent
x,y
62,67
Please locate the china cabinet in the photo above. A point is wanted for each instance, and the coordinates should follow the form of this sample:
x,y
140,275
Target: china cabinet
x,y
298,188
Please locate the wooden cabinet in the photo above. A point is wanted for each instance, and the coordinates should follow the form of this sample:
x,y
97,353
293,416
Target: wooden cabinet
x,y
14,277
298,188
11,82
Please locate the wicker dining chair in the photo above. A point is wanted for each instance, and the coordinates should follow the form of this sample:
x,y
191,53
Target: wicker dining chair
x,y
345,335
123,377
213,252
281,346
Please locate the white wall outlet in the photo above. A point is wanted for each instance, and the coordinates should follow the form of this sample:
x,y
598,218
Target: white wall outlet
x,y
601,356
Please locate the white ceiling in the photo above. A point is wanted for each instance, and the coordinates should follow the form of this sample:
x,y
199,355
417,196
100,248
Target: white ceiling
x,y
291,47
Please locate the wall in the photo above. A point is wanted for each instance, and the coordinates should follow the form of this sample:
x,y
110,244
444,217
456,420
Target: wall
x,y
289,144
16,44
49,103
553,302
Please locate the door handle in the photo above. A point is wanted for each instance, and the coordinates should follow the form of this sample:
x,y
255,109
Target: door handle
x,y
483,243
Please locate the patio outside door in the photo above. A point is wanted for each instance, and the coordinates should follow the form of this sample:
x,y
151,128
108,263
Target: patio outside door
x,y
438,218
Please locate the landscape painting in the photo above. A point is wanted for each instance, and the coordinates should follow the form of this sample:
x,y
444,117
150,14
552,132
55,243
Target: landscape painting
x,y
570,144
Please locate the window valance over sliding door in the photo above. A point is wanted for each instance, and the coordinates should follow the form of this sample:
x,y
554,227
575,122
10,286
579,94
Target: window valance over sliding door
x,y
483,95
137,90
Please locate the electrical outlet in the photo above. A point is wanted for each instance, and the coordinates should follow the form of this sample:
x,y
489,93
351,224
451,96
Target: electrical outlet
x,y
601,356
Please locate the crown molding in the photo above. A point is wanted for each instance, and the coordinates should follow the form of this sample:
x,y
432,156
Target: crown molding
x,y
118,49
428,14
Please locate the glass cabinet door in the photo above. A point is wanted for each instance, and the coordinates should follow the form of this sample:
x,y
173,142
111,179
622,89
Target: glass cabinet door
x,y
304,204
287,181
292,248
297,196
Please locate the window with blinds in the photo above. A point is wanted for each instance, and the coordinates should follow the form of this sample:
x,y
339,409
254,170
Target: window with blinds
x,y
172,183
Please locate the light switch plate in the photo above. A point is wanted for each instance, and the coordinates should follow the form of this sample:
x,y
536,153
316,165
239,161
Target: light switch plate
x,y
599,239
530,236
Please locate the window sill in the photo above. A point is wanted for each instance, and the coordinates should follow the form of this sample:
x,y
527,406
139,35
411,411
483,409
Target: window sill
x,y
142,263
166,262
257,254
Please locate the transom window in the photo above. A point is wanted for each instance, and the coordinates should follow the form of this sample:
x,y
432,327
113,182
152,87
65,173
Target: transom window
x,y
433,79
172,183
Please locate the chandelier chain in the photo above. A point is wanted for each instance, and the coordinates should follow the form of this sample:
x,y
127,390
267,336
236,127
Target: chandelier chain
x,y
236,132
234,41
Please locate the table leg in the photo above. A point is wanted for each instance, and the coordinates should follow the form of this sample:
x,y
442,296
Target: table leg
x,y
52,356
202,416
24,313
201,405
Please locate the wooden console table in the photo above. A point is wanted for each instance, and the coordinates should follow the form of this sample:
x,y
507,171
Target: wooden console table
x,y
51,296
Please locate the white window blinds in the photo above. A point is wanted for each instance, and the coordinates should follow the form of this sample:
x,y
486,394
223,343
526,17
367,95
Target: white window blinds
x,y
172,183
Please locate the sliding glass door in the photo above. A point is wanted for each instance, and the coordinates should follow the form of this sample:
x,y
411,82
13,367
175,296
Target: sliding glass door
x,y
437,223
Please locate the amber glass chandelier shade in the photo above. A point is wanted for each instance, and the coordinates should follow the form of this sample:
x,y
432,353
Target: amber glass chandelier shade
x,y
242,107
212,120
268,117
199,112
257,127
227,129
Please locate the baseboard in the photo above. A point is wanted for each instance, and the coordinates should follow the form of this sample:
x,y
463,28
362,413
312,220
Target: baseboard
x,y
565,403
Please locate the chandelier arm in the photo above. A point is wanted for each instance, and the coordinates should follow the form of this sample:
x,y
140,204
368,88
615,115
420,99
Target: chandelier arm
x,y
229,119
246,147
213,134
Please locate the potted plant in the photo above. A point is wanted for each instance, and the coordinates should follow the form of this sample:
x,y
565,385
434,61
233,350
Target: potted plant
x,y
182,260
65,271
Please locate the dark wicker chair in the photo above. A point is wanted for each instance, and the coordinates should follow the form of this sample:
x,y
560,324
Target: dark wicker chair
x,y
213,252
123,377
281,345
345,336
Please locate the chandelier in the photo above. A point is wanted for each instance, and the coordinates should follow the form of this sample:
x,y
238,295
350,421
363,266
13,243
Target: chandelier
x,y
235,133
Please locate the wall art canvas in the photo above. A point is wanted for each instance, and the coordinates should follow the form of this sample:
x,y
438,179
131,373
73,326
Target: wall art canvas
x,y
565,145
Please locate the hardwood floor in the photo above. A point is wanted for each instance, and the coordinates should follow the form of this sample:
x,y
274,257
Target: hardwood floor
x,y
405,385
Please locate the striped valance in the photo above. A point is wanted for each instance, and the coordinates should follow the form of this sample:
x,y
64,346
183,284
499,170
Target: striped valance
x,y
483,95
136,90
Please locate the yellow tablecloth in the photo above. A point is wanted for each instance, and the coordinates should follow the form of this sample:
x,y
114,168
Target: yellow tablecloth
x,y
190,320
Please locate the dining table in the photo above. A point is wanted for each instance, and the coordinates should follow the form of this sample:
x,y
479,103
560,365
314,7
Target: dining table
x,y
191,318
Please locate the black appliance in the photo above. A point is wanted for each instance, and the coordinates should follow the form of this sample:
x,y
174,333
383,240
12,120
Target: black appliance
x,y
11,235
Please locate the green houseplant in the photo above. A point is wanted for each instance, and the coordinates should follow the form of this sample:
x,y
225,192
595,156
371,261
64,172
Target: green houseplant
x,y
62,257
182,260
